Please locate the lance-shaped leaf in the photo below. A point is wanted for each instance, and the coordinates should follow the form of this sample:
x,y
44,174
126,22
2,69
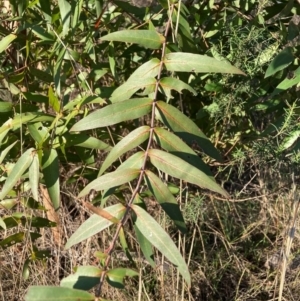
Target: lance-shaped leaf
x,y
281,61
34,176
126,90
144,243
185,128
115,113
85,278
287,83
147,38
165,198
190,62
4,43
94,225
169,83
173,144
147,70
135,161
135,138
180,169
85,141
149,227
19,168
5,151
50,167
110,180
56,293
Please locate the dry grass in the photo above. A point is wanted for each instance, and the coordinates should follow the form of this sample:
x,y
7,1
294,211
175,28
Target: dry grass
x,y
227,247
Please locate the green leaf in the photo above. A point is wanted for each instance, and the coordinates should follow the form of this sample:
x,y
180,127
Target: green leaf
x,y
135,161
115,277
85,141
34,176
38,132
24,118
189,62
160,240
65,13
115,113
53,100
287,83
2,223
85,278
178,168
5,42
94,225
53,293
126,90
133,139
50,167
147,38
149,69
5,106
12,240
170,83
173,144
5,151
185,128
165,198
145,246
110,180
25,270
40,75
19,168
281,61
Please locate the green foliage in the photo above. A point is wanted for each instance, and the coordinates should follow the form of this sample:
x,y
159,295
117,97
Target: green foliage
x,y
140,96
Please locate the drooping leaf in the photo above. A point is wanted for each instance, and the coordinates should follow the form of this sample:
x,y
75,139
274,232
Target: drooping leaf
x,y
110,180
54,293
115,277
145,246
281,61
190,62
84,278
185,128
101,212
173,144
126,90
169,83
180,169
153,232
115,113
147,38
19,168
94,225
50,167
4,43
165,198
34,176
135,138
